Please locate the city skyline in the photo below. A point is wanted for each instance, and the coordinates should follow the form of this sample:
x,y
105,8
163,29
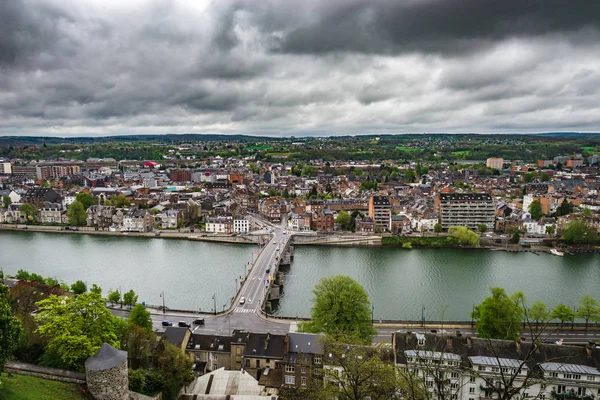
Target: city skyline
x,y
76,68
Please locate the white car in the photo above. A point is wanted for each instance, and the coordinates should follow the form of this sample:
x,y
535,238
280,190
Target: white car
x,y
242,300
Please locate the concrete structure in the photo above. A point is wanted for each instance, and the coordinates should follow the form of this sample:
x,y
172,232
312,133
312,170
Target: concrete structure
x,y
381,213
106,374
222,384
5,168
494,162
465,209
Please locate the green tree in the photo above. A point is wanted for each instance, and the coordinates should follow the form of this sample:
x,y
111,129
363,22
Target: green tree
x,y
409,175
29,210
578,232
539,312
344,219
357,172
515,237
394,176
464,235
141,317
96,289
550,230
341,307
85,199
77,214
565,208
535,209
79,287
499,316
437,228
114,296
563,313
23,275
6,201
589,309
309,171
528,177
482,228
76,327
545,177
175,367
121,201
10,329
130,298
51,281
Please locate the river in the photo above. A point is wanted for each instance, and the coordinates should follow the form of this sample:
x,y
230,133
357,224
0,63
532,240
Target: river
x,y
447,282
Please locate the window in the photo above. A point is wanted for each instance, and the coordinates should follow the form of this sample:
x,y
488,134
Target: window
x,y
238,351
568,376
257,363
215,357
454,385
472,379
317,360
247,363
576,376
303,370
561,389
472,390
495,369
303,380
454,375
591,378
290,368
290,380
481,368
429,384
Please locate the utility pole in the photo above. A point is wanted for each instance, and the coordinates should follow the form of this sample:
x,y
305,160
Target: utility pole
x,y
472,315
162,294
121,296
423,315
215,302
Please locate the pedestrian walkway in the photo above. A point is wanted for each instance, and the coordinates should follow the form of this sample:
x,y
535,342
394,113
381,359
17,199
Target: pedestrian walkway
x,y
244,310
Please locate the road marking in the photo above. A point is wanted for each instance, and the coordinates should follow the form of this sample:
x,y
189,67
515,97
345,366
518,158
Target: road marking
x,y
244,310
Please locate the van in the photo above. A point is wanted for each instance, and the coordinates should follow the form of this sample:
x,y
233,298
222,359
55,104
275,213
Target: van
x,y
184,324
199,321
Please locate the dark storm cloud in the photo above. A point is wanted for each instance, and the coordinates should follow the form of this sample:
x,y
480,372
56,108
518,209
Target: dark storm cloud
x,y
392,26
297,66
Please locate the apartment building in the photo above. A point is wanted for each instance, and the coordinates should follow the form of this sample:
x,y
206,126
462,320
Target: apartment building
x,y
494,162
465,368
380,212
465,209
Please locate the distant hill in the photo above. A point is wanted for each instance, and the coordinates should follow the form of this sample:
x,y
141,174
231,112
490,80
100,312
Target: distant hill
x,y
578,135
39,140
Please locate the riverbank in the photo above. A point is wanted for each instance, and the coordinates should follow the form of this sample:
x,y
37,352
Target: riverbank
x,y
330,240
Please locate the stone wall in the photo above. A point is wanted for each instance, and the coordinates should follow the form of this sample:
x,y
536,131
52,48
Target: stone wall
x,y
45,372
109,384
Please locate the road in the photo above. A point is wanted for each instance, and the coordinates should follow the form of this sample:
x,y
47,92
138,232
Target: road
x,y
246,315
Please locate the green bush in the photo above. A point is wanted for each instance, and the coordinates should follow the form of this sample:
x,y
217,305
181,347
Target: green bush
x,y
419,241
407,245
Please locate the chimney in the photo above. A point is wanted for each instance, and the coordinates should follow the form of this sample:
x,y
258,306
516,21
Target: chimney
x,y
469,340
518,343
267,340
588,350
449,341
286,343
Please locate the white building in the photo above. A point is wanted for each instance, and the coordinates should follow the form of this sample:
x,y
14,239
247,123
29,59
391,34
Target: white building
x,y
463,368
5,168
241,225
219,225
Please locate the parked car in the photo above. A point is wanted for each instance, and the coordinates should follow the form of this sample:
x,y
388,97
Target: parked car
x,y
199,321
242,300
167,323
184,324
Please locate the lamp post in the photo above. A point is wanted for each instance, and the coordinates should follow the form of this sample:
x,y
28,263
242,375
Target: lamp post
x,y
121,296
162,294
423,315
372,314
472,316
215,302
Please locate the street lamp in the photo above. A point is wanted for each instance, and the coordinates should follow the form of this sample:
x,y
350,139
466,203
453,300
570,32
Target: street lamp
x,y
215,302
423,315
162,294
372,314
121,296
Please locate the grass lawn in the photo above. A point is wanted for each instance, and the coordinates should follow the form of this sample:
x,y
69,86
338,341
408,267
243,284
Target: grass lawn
x,y
461,153
588,149
284,155
407,149
260,147
22,387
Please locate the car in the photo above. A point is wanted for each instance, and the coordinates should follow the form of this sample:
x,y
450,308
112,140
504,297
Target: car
x,y
242,300
184,324
199,321
167,323
268,269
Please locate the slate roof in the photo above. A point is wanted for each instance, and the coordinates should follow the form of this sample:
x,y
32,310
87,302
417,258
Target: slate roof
x,y
308,343
106,358
209,343
175,335
265,345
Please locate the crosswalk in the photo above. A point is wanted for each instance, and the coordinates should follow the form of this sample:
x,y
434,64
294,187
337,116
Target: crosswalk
x,y
244,310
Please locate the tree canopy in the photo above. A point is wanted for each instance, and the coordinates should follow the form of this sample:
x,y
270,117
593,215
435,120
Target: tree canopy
x,y
85,199
114,296
589,309
29,210
341,307
77,214
76,327
578,232
130,298
499,316
139,316
79,287
6,201
344,219
10,328
464,235
535,209
563,313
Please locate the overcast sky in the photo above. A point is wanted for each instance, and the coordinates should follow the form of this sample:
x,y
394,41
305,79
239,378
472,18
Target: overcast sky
x,y
298,67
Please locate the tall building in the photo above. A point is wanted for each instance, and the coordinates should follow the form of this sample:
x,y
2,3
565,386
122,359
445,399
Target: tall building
x,y
5,168
381,213
495,163
465,209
